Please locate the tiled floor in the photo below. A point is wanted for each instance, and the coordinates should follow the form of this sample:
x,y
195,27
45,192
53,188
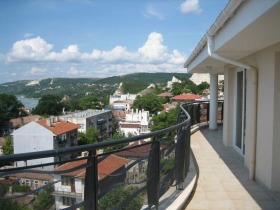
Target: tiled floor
x,y
223,181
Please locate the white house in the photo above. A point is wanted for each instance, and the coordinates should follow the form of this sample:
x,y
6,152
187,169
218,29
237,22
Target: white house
x,y
244,45
99,119
44,135
70,189
122,97
135,123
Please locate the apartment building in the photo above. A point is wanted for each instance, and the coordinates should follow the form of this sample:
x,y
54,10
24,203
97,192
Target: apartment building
x,y
43,135
70,190
99,119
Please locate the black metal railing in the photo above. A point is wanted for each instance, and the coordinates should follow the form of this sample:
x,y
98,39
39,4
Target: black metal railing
x,y
133,177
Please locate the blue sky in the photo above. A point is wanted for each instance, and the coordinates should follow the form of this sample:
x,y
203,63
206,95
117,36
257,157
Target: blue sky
x,y
99,38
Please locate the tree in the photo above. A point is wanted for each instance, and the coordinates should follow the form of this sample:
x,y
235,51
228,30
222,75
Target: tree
x,y
118,146
90,102
9,107
149,102
164,120
118,195
49,105
11,205
203,86
44,200
89,137
8,146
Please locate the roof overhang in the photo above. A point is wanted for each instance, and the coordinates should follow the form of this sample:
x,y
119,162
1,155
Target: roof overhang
x,y
253,26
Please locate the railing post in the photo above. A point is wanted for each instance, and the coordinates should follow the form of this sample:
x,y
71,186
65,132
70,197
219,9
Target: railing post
x,y
208,108
198,113
153,175
91,183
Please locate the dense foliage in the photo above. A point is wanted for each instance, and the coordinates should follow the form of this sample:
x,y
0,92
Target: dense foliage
x,y
9,204
8,148
133,88
49,105
10,107
188,86
44,200
149,102
118,195
89,137
164,120
76,88
90,102
118,146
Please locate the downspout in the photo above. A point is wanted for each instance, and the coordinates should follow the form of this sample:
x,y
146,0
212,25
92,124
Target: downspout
x,y
253,71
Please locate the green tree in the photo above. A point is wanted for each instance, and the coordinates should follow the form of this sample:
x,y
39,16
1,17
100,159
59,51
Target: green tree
x,y
9,204
90,102
118,146
8,146
149,102
164,120
89,137
203,86
44,200
49,105
118,195
9,107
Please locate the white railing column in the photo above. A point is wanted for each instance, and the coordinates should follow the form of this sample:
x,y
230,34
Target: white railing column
x,y
213,101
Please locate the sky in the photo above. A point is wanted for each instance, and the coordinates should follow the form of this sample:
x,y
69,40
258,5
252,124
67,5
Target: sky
x,y
99,38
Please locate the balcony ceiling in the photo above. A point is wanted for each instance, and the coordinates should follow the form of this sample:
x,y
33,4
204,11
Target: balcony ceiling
x,y
263,32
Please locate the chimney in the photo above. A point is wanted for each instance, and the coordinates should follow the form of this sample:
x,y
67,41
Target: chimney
x,y
48,121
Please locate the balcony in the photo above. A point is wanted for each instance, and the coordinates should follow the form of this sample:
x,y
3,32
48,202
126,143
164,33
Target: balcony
x,y
161,170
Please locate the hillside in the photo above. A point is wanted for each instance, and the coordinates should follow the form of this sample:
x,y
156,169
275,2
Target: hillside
x,y
78,87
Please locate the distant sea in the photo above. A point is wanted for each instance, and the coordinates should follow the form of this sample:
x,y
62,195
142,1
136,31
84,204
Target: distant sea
x,y
29,102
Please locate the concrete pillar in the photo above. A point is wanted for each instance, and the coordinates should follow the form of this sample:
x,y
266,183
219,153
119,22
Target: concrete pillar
x,y
213,101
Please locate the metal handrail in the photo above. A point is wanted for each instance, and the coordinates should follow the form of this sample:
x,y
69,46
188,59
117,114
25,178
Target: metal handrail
x,y
154,187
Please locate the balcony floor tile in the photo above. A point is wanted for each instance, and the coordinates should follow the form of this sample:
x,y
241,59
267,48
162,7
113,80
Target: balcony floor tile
x,y
223,181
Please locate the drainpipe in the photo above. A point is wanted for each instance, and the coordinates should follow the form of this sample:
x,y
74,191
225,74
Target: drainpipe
x,y
253,71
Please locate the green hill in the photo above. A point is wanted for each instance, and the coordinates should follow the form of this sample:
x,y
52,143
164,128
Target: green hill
x,y
79,87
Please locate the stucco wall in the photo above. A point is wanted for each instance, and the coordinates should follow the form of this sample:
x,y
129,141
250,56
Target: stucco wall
x,y
267,148
31,138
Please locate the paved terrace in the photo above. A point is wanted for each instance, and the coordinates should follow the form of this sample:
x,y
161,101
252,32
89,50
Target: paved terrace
x,y
223,181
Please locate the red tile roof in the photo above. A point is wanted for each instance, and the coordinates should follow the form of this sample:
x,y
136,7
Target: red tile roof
x,y
136,152
128,125
187,96
35,176
58,127
24,120
165,95
107,166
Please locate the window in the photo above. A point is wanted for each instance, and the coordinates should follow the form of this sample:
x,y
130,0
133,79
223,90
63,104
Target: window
x,y
66,180
66,201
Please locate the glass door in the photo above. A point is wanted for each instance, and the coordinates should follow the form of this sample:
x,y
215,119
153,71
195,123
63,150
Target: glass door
x,y
240,112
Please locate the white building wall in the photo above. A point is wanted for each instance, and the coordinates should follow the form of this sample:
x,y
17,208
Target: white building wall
x,y
32,138
267,168
138,116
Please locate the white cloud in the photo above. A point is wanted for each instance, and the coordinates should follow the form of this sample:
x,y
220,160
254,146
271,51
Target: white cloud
x,y
76,72
152,12
191,6
152,56
26,35
35,70
29,50
153,49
